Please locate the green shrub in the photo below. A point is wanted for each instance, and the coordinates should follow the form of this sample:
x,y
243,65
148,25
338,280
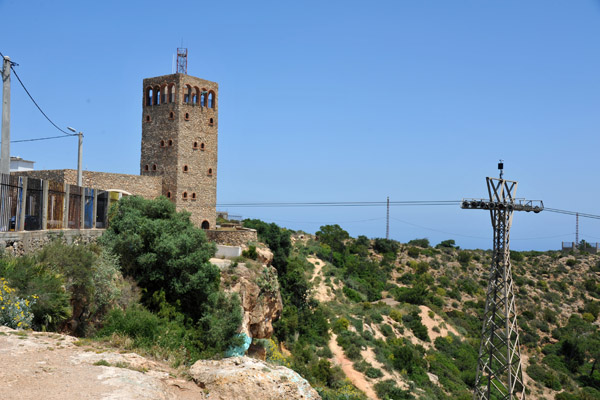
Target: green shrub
x,y
15,312
250,253
373,373
387,390
423,243
413,252
464,257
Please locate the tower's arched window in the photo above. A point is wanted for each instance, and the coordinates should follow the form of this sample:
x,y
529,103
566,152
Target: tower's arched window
x,y
148,119
196,97
153,167
194,196
170,142
203,98
202,146
205,225
211,122
211,99
186,168
162,143
187,94
171,115
195,146
168,195
172,93
184,195
146,168
157,95
187,116
163,94
210,172
149,96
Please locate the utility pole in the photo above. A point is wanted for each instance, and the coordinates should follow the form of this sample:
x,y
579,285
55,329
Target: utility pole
x,y
5,147
387,224
499,371
576,230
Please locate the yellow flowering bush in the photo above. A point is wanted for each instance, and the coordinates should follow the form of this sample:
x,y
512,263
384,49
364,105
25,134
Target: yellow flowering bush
x,y
15,312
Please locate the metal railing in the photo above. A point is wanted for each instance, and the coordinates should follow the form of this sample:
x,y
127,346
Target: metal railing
x,y
30,204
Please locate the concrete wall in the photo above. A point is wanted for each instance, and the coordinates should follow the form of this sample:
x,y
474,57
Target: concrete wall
x,y
148,187
228,251
232,237
20,243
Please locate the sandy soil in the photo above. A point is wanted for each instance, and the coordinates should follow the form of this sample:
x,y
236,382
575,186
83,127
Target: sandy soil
x,y
52,367
355,377
430,323
322,292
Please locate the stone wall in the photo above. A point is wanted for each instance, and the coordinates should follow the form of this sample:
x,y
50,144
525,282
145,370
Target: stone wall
x,y
238,237
179,142
148,187
20,243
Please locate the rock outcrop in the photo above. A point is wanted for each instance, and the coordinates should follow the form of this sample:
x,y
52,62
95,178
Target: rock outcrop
x,y
51,366
242,378
258,288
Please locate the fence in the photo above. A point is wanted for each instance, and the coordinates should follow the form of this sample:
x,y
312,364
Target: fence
x,y
583,246
29,204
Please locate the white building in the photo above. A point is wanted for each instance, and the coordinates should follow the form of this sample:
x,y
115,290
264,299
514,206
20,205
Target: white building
x,y
18,164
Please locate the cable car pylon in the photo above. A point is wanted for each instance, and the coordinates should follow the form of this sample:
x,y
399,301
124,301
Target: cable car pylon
x,y
499,370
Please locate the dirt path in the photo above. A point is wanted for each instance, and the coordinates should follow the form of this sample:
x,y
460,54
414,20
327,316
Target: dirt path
x,y
322,292
355,377
52,367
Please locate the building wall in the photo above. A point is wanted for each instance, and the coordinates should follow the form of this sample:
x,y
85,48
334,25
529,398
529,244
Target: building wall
x,y
148,187
179,142
237,237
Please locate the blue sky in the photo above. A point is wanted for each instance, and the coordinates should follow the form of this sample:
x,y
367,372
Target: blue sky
x,y
336,101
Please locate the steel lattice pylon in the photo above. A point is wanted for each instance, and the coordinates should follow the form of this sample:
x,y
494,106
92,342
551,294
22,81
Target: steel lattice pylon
x,y
499,372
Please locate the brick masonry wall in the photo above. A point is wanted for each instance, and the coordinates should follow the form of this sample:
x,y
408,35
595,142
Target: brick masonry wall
x,y
148,187
232,237
179,142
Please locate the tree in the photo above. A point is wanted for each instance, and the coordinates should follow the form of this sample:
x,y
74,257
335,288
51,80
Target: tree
x,y
333,236
162,250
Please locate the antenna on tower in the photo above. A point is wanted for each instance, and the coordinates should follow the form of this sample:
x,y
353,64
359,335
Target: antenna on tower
x,y
182,60
501,168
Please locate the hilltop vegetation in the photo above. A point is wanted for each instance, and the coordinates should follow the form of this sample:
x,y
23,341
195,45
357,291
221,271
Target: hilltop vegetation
x,y
408,316
361,317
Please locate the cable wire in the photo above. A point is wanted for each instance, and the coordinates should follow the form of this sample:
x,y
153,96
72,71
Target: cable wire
x,y
33,100
44,138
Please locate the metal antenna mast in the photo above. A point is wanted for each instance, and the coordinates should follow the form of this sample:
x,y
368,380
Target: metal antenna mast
x,y
182,60
499,371
387,223
576,230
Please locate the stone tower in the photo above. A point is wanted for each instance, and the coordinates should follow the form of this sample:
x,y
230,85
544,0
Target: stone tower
x,y
179,142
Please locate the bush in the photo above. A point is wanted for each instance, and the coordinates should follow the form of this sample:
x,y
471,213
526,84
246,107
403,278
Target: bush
x,y
250,253
15,312
387,390
424,243
413,252
373,373
162,250
383,246
464,257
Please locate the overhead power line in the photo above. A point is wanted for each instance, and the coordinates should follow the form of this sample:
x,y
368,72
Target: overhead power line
x,y
44,138
36,104
380,204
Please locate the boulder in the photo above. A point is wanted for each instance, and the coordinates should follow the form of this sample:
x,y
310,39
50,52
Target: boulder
x,y
243,378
